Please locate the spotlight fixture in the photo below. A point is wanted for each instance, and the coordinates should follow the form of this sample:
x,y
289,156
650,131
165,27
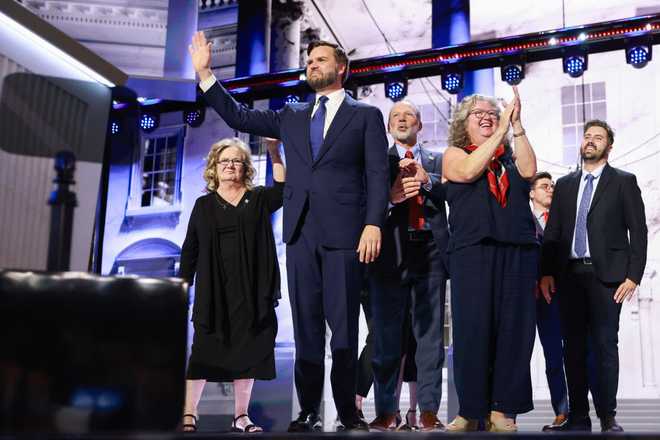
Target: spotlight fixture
x,y
149,122
512,74
452,82
114,127
194,117
292,99
638,55
396,90
575,64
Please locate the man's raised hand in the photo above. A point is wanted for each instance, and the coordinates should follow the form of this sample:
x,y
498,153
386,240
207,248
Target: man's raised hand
x,y
200,53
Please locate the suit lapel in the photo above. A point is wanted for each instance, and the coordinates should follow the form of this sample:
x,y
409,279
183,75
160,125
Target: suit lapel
x,y
604,180
571,199
393,157
343,117
304,146
428,160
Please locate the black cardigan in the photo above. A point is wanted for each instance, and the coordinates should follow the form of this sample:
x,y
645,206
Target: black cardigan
x,y
259,275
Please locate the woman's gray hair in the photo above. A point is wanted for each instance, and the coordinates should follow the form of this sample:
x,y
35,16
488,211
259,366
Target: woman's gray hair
x,y
458,135
210,174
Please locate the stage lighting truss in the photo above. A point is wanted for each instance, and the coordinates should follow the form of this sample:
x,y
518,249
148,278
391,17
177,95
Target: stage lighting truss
x,y
292,99
575,63
483,54
512,73
194,117
396,89
452,82
149,121
639,52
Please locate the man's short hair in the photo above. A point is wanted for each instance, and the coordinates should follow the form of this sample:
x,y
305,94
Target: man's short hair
x,y
601,124
538,176
340,54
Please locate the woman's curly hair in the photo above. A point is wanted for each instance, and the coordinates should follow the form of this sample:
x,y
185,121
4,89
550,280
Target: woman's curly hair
x,y
458,135
210,174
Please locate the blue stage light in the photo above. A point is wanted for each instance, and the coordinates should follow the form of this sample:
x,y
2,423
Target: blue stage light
x,y
114,127
638,56
452,82
575,65
149,122
194,117
292,99
512,73
396,90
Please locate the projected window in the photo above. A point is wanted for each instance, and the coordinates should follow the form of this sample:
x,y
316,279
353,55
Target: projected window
x,y
580,103
434,119
157,171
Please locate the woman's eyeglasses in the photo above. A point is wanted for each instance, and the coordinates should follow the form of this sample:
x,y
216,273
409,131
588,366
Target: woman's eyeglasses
x,y
224,163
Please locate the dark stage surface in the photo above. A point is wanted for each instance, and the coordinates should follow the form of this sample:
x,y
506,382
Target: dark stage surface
x,y
337,436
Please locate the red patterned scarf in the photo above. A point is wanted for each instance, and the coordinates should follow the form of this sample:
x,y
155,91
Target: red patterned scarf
x,y
498,186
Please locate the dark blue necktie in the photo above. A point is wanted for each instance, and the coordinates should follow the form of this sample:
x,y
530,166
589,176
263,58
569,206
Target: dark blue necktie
x,y
581,222
316,126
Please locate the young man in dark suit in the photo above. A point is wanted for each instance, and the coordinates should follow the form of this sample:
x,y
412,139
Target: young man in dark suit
x,y
411,270
595,249
335,201
548,322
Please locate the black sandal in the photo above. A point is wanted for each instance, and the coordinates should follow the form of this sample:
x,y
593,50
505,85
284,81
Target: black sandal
x,y
251,428
192,427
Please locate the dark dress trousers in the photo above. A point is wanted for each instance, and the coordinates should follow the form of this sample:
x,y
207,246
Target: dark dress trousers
x,y
493,261
328,201
617,234
411,269
548,325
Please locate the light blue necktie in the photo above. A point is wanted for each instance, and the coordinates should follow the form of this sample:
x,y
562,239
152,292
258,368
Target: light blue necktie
x,y
316,126
581,223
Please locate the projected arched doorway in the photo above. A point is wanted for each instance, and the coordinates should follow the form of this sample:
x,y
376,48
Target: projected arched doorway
x,y
153,257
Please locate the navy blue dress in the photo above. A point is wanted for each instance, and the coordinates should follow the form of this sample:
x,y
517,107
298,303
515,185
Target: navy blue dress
x,y
493,261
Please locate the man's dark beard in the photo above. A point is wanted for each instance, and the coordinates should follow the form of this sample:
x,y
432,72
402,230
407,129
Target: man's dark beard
x,y
595,156
322,81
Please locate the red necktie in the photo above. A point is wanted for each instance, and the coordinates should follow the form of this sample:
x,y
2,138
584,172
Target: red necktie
x,y
546,214
415,214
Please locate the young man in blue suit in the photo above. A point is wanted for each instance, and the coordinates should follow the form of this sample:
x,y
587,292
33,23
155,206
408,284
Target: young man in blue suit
x,y
411,274
335,201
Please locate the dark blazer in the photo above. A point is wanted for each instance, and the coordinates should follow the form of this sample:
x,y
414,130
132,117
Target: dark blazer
x,y
395,237
616,212
345,187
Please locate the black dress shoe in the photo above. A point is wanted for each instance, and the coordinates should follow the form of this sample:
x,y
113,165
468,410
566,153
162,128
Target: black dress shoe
x,y
609,424
355,423
572,423
306,422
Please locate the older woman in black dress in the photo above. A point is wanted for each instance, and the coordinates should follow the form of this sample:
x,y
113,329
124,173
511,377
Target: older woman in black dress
x,y
493,259
230,252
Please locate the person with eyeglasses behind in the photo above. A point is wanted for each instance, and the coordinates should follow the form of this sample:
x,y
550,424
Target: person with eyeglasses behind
x,y
547,313
229,251
493,262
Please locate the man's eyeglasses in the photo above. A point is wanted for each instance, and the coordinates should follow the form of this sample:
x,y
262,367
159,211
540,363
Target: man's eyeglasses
x,y
546,186
480,114
224,163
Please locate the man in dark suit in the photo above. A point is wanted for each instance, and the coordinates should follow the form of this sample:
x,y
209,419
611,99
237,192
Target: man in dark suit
x,y
411,268
335,201
548,322
595,247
